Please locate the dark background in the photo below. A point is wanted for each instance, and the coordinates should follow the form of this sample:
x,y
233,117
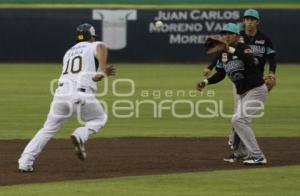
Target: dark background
x,y
43,35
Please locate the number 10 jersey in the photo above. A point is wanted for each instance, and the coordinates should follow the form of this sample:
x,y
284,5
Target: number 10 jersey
x,y
80,65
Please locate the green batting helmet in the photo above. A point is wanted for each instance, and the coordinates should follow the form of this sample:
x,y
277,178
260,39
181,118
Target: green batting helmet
x,y
85,32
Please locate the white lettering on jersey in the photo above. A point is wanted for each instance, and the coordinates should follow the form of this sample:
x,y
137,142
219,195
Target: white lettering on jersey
x,y
259,41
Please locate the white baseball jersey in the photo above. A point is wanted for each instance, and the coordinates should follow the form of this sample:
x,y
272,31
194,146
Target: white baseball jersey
x,y
80,65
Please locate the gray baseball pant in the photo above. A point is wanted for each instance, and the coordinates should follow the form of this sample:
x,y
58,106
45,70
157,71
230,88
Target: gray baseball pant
x,y
248,104
234,141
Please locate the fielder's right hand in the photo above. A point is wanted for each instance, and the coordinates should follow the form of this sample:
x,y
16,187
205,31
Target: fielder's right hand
x,y
201,85
109,71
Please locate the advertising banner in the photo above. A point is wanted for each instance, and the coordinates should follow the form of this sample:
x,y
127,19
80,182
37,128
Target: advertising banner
x,y
131,34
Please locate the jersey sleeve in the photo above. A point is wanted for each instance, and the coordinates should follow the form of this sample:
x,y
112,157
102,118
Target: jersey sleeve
x,y
245,53
94,47
218,76
271,55
269,47
214,62
65,57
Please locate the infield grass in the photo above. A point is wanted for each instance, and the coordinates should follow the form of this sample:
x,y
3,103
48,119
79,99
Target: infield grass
x,y
259,182
25,101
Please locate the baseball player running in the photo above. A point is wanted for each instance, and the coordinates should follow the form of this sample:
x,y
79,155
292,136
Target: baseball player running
x,y
263,51
75,94
236,60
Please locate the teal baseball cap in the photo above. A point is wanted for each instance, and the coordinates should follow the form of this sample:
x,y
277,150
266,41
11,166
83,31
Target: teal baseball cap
x,y
232,28
251,13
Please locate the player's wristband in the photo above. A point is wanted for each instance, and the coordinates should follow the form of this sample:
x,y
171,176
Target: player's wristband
x,y
102,73
205,81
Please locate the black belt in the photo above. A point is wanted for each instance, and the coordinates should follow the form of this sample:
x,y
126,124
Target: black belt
x,y
79,89
82,89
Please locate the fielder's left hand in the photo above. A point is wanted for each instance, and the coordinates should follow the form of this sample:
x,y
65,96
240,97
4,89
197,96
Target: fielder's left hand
x,y
215,44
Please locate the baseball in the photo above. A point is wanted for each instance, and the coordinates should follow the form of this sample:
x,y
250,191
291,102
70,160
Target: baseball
x,y
159,24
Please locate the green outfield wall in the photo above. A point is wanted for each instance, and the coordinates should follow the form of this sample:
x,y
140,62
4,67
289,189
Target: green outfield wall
x,y
149,1
130,34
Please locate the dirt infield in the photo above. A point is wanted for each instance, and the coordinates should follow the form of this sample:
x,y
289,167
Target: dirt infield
x,y
134,156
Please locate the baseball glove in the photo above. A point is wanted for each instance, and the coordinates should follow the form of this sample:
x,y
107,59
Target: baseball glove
x,y
270,81
215,44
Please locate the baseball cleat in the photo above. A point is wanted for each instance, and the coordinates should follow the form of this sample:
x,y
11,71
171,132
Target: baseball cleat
x,y
255,161
230,144
79,147
25,169
233,158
